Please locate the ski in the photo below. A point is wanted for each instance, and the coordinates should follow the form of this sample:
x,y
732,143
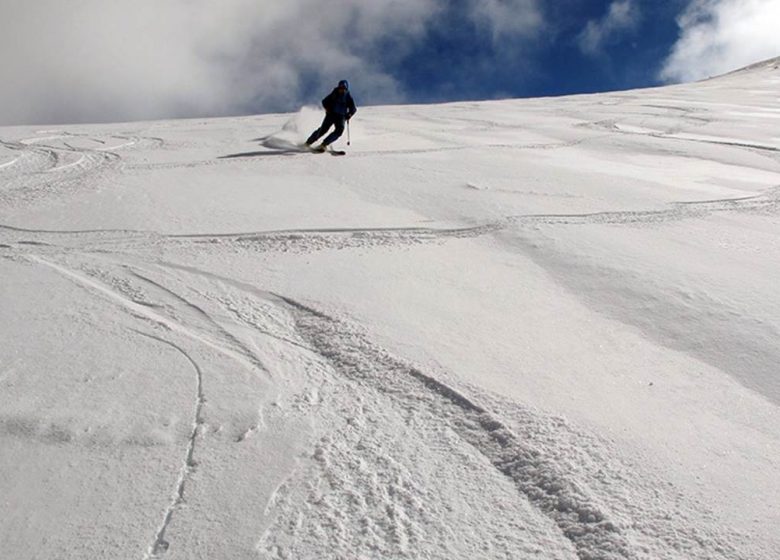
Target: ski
x,y
322,150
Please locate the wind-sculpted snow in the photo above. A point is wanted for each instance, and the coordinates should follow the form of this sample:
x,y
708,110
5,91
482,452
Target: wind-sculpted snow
x,y
512,329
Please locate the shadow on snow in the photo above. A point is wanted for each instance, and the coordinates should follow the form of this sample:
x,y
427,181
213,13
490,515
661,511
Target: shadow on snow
x,y
274,146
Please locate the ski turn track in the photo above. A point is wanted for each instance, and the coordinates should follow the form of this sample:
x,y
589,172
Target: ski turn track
x,y
361,392
582,518
397,456
392,393
55,165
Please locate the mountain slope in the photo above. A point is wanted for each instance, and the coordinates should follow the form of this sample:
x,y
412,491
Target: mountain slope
x,y
493,330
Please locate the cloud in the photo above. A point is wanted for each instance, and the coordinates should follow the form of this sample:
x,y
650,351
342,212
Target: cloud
x,y
622,17
93,60
98,60
717,36
508,18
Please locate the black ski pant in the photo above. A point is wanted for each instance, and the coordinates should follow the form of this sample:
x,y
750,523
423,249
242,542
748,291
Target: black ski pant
x,y
331,119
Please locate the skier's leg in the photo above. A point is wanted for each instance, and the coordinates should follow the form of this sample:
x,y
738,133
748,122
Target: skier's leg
x,y
315,135
338,121
326,122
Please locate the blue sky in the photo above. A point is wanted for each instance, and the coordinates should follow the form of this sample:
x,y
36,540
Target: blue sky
x,y
457,60
99,61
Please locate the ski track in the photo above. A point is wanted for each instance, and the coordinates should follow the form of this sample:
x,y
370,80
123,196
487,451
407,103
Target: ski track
x,y
160,316
580,517
580,520
49,166
158,306
160,544
673,134
224,338
350,479
584,521
309,240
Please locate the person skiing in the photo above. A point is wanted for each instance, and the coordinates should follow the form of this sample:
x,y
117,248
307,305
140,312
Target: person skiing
x,y
339,108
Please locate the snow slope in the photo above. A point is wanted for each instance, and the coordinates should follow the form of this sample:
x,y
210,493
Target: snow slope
x,y
541,328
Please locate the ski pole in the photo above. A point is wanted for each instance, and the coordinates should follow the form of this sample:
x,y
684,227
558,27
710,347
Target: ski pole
x,y
349,140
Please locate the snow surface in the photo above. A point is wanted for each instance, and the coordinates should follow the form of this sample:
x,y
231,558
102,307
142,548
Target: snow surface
x,y
541,328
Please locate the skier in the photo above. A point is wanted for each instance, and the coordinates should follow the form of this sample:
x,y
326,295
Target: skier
x,y
339,108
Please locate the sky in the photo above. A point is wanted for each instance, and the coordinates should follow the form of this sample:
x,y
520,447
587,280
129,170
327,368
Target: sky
x,y
96,61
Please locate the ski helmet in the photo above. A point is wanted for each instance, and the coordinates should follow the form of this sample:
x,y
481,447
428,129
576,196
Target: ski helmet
x,y
344,84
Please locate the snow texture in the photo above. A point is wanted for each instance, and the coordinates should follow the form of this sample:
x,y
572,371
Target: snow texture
x,y
540,328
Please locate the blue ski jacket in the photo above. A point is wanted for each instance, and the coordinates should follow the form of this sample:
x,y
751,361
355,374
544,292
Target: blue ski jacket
x,y
340,103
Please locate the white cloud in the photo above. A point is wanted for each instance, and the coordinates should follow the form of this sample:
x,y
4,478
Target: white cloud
x,y
109,60
508,18
622,17
90,60
722,35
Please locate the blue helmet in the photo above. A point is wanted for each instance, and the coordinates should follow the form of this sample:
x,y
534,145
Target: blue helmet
x,y
344,84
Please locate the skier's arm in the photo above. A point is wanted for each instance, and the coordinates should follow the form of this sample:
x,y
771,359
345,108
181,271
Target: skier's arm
x,y
327,102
